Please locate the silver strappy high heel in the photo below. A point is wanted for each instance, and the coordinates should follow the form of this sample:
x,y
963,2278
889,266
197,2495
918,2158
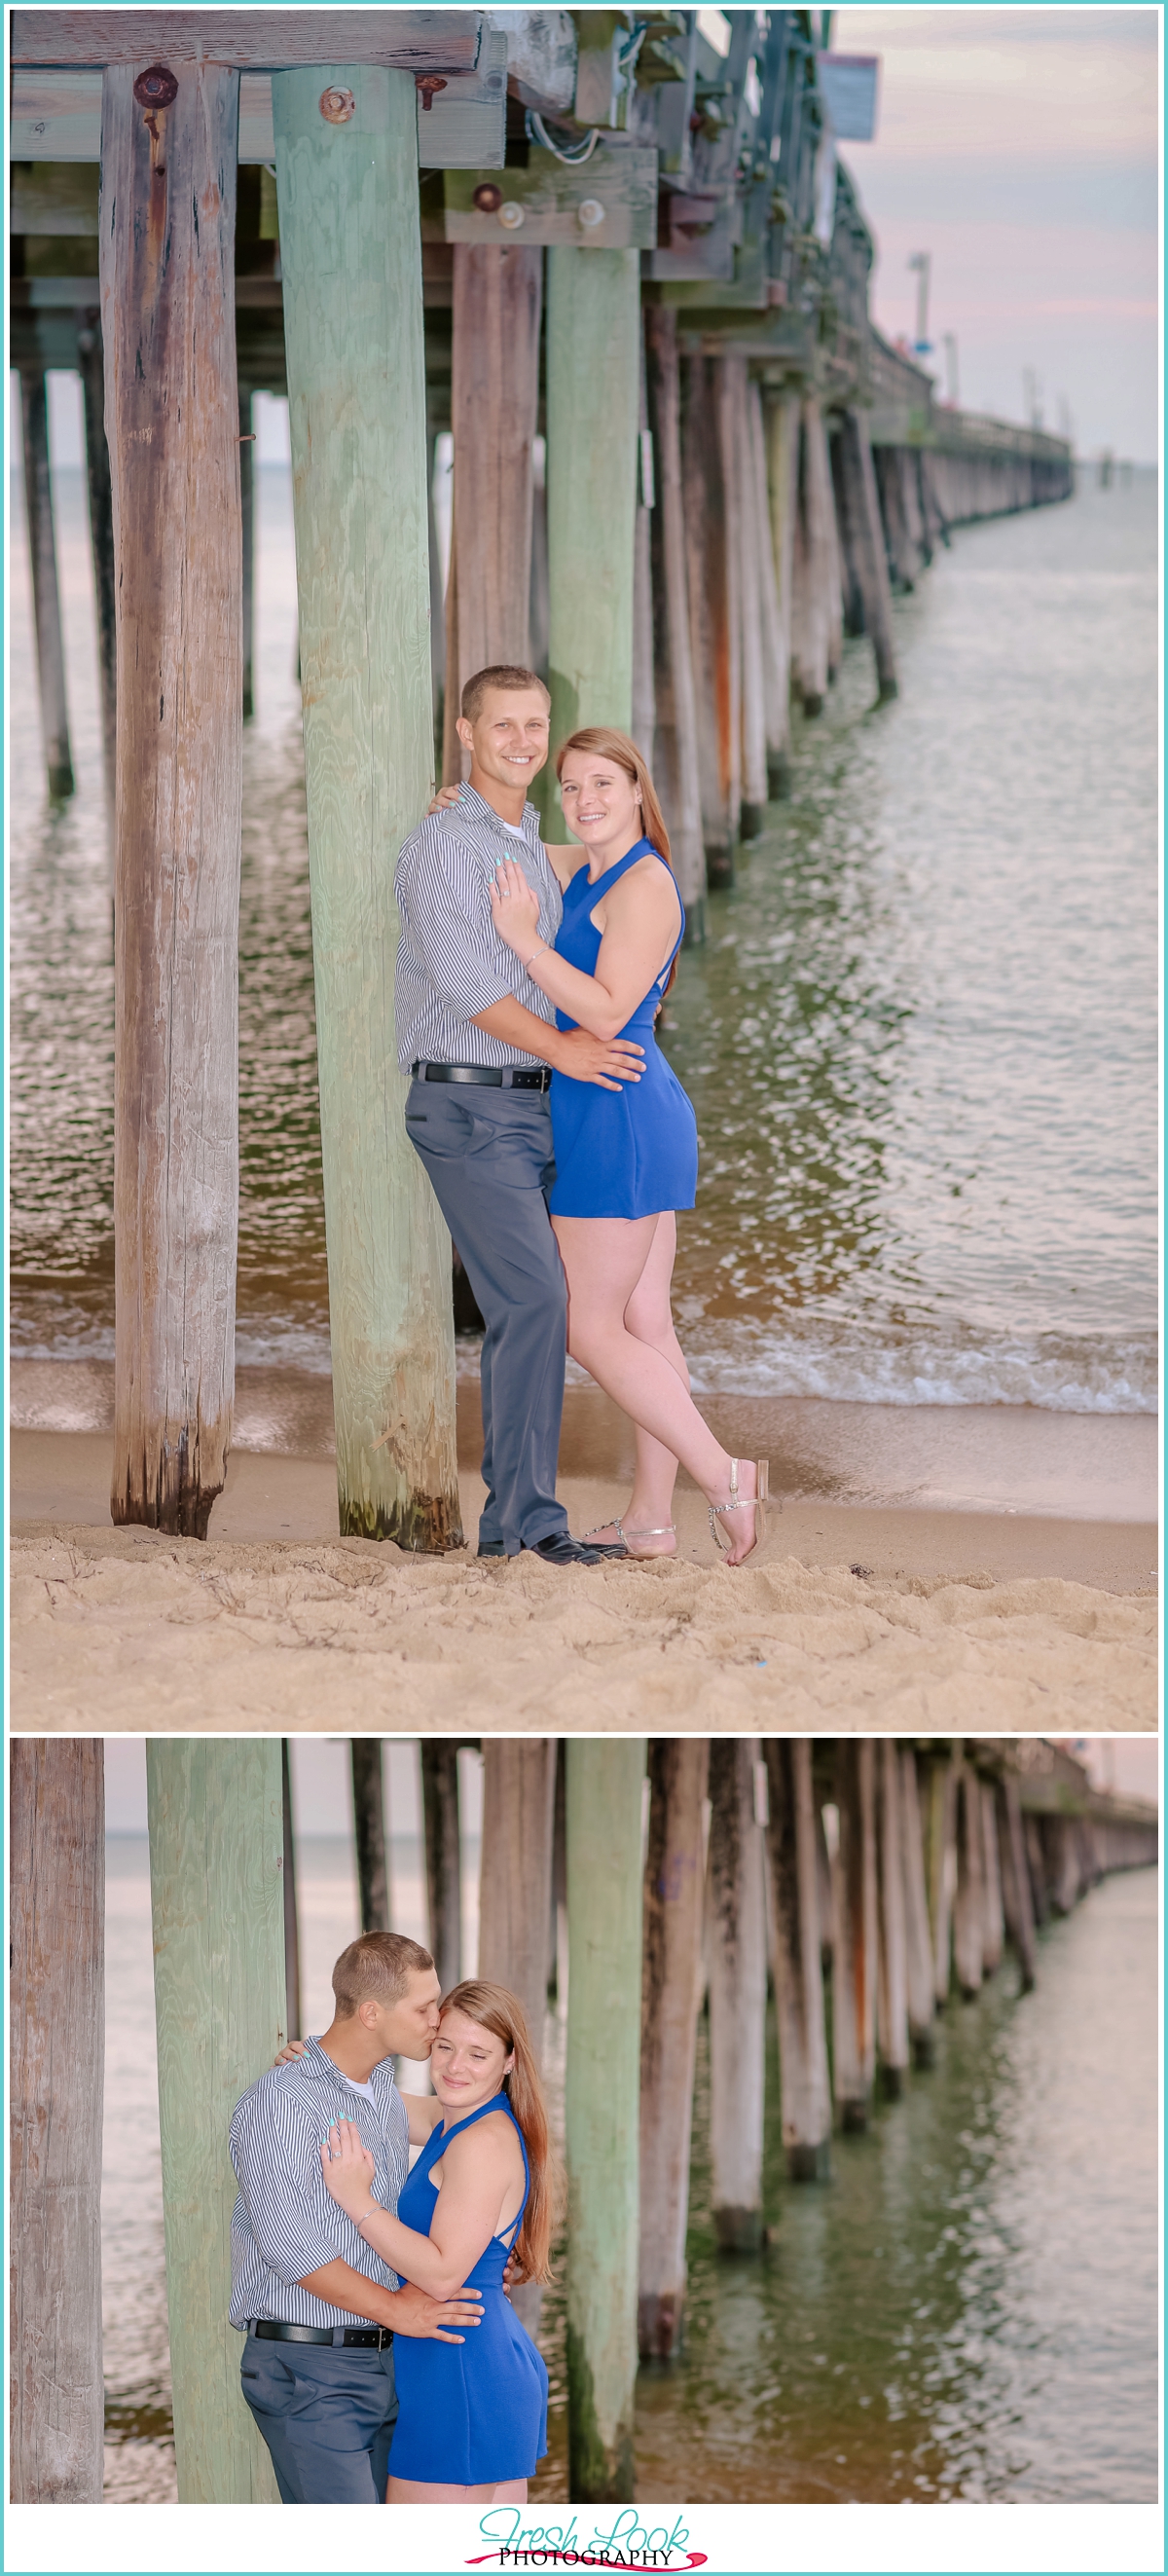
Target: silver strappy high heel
x,y
590,1537
756,1503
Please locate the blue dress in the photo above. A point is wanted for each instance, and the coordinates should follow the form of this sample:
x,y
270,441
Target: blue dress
x,y
471,2414
632,1152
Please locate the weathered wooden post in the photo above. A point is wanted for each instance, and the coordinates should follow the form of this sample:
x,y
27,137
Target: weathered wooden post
x,y
752,819
46,597
673,672
1016,1896
806,2097
854,1964
350,251
892,1987
643,722
918,1946
593,399
969,1904
1037,1862
678,1768
56,1843
728,694
101,537
443,1856
781,423
942,1867
775,676
994,1924
291,1918
215,1812
737,1939
515,1884
494,401
167,221
519,1780
604,1786
817,508
862,535
369,1832
247,538
711,582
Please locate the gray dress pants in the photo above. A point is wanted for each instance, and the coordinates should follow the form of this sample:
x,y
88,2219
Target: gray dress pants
x,y
488,1154
327,2413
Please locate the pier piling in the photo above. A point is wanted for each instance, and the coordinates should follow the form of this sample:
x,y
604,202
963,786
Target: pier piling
x,y
56,1842
969,1901
101,539
1017,1900
443,1856
369,1832
494,404
519,1786
737,1938
918,1950
677,1770
892,1985
291,1917
46,597
593,407
675,704
799,2002
604,1788
854,1964
215,1813
167,295
350,253
862,538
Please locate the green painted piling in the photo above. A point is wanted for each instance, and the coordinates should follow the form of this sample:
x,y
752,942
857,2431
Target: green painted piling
x,y
602,2110
215,1811
593,396
350,251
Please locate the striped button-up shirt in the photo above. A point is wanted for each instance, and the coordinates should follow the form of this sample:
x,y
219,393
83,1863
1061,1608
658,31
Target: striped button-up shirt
x,y
452,963
285,2224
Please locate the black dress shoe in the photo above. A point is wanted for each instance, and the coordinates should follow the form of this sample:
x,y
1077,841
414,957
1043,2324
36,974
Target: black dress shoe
x,y
562,1549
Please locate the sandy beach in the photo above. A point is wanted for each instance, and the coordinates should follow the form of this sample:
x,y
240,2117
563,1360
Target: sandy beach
x,y
856,1615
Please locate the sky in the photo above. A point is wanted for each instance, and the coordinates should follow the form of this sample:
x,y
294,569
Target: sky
x,y
321,1801
1019,147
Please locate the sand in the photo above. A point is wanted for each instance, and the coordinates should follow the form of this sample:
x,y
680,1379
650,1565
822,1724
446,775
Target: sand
x,y
957,1621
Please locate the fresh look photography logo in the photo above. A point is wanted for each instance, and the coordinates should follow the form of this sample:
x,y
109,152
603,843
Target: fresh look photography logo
x,y
629,2543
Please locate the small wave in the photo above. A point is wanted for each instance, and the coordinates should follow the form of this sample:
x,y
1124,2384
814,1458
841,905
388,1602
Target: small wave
x,y
855,1368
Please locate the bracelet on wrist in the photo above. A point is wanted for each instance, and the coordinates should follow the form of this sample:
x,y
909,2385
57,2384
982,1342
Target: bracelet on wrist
x,y
529,962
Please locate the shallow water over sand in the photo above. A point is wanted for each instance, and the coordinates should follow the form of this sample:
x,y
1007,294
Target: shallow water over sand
x,y
967,2310
920,1039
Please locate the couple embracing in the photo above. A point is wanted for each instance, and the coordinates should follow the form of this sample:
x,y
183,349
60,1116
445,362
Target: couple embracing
x,y
383,2361
558,1141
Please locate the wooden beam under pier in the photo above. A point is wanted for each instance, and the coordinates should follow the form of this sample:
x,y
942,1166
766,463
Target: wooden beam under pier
x,y
854,1964
918,1947
803,2069
46,596
443,1863
56,1843
676,756
602,2110
593,391
167,240
101,539
291,1917
969,1903
216,1846
351,258
407,40
678,1769
369,1832
892,1987
519,1787
498,298
737,1944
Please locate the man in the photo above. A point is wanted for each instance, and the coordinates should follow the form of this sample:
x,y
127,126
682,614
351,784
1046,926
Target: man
x,y
319,2308
477,1112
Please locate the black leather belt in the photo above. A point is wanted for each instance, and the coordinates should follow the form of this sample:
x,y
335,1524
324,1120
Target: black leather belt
x,y
367,2338
506,1077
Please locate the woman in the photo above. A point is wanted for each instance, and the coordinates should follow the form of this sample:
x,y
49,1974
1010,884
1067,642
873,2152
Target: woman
x,y
626,1160
472,2419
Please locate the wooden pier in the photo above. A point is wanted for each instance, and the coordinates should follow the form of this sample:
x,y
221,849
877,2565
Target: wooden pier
x,y
739,474
873,1884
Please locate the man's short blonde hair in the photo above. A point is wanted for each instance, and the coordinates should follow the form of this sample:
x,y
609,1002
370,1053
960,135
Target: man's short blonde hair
x,y
498,675
377,1964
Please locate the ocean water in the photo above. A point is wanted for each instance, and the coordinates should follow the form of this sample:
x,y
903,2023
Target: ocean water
x,y
921,1037
968,2310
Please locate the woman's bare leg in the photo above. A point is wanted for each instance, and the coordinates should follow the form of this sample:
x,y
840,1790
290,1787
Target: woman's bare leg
x,y
605,1259
412,2491
650,1316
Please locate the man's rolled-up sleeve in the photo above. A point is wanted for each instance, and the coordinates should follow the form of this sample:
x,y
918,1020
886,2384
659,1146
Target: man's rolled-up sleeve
x,y
277,2162
446,908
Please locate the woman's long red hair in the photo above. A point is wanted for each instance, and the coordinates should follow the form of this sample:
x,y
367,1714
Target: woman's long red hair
x,y
606,743
496,2009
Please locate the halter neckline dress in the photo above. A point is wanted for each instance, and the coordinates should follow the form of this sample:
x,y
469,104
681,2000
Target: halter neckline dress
x,y
632,1152
470,2414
